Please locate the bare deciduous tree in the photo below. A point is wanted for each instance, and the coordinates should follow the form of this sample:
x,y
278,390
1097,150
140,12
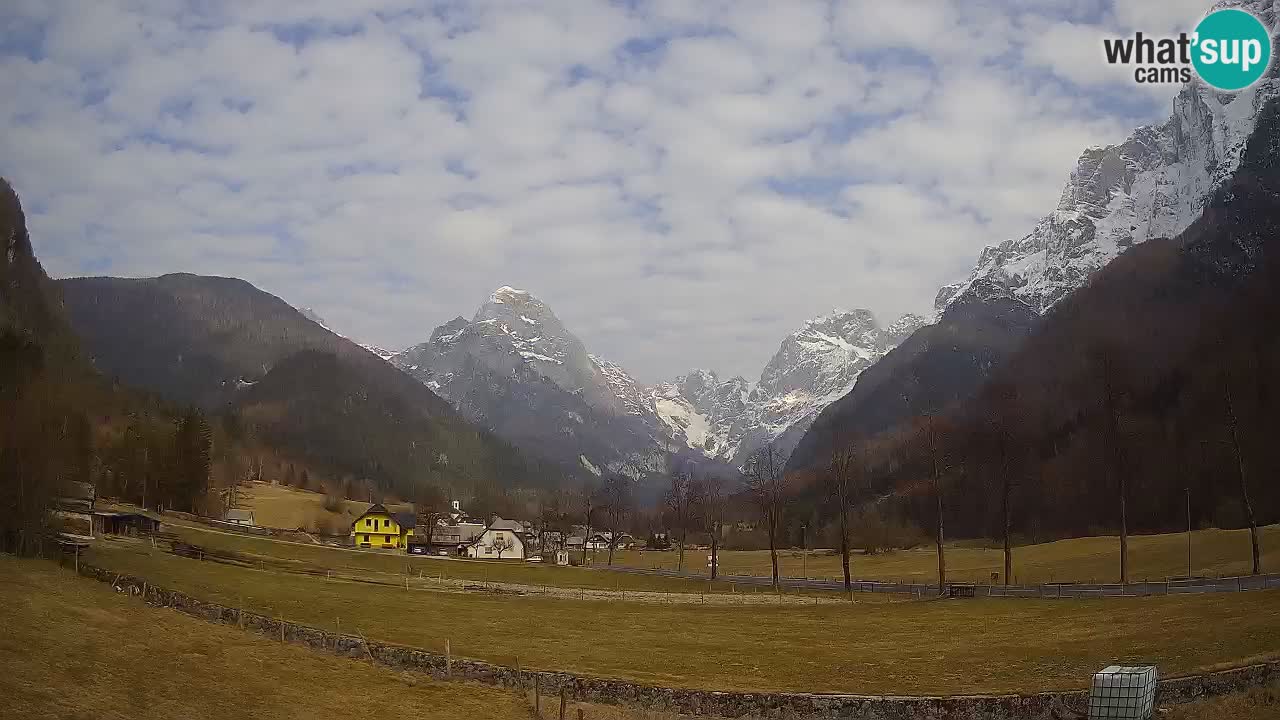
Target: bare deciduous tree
x,y
767,483
1233,426
842,480
616,504
708,499
931,443
1107,369
588,506
1005,424
500,545
678,507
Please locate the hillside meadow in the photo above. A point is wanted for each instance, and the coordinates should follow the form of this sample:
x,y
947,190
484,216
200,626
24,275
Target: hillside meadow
x,y
915,647
72,648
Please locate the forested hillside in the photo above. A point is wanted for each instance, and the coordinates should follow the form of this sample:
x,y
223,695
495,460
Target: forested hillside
x,y
290,389
60,422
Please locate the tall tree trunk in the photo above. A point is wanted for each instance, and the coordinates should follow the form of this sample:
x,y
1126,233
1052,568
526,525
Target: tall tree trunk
x,y
1112,462
715,551
844,547
1124,529
1008,554
612,541
1244,483
773,553
680,554
942,558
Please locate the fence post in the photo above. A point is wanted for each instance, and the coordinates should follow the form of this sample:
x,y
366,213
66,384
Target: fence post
x,y
564,700
448,659
537,695
519,676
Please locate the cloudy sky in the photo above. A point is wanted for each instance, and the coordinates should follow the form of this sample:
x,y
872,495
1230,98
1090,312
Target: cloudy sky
x,y
683,182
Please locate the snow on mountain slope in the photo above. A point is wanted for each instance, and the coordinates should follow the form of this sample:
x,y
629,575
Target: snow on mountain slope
x,y
1154,184
515,368
624,387
314,317
311,315
379,351
814,366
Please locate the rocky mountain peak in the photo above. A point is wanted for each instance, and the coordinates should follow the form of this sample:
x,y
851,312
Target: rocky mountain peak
x,y
1154,184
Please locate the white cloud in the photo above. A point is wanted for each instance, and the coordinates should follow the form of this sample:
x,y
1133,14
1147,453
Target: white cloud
x,y
683,182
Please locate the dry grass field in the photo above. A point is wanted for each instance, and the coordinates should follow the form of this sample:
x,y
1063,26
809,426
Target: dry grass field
x,y
928,647
302,555
1214,552
72,648
281,506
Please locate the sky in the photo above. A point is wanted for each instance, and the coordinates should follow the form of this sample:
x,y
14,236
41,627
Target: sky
x,y
684,183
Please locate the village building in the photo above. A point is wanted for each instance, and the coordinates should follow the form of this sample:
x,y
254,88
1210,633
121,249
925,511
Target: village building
x,y
600,541
378,527
446,538
501,539
240,517
123,522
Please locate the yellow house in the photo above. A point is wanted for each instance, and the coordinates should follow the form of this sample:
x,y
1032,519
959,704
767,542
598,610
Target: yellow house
x,y
381,528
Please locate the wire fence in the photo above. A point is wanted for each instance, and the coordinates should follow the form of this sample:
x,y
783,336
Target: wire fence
x,y
1054,590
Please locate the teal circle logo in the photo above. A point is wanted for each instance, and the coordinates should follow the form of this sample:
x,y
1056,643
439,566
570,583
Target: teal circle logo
x,y
1232,49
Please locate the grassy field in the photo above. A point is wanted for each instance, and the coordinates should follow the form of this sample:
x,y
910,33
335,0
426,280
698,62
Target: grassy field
x,y
71,648
281,506
301,555
1214,552
908,647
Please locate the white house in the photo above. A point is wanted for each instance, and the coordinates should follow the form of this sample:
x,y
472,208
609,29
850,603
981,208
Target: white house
x,y
240,517
502,539
600,541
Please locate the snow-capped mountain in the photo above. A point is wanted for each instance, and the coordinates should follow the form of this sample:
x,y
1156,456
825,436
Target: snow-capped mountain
x,y
1154,184
814,366
515,368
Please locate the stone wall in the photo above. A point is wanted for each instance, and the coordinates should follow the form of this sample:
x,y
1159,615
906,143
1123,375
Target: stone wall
x,y
1038,706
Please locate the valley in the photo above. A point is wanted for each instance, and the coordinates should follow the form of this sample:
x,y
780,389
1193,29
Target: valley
x,y
904,362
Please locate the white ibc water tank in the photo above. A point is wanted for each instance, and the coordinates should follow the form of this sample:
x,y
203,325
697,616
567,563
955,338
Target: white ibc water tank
x,y
1123,691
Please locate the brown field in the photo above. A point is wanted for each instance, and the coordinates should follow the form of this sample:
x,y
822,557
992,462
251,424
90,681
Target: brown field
x,y
281,506
72,648
921,647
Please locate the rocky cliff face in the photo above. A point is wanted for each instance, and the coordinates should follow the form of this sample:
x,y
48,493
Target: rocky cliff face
x,y
1154,184
814,366
515,368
